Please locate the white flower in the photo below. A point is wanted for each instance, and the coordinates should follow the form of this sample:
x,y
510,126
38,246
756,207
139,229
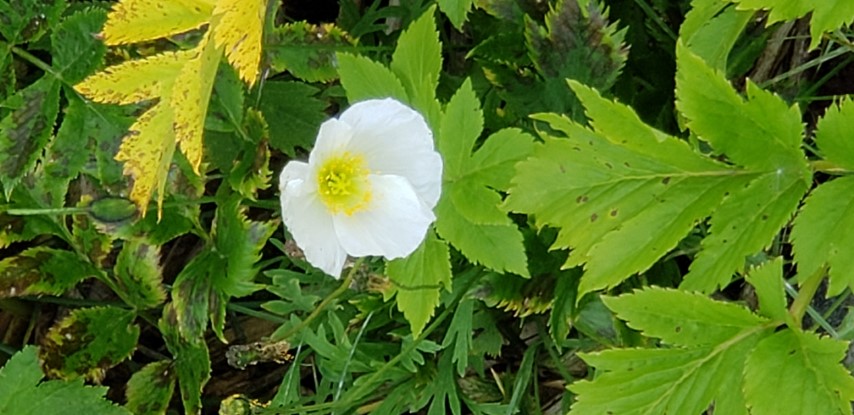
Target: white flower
x,y
369,187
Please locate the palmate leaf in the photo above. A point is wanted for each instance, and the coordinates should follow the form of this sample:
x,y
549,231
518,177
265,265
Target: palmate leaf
x,y
714,339
623,194
22,391
820,233
468,215
826,16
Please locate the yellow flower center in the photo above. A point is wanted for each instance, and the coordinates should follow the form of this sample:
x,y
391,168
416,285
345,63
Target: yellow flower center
x,y
342,182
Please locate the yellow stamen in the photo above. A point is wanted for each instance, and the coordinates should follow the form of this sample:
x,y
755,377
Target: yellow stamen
x,y
342,182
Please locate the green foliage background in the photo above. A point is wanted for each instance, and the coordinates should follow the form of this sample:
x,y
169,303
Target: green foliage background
x,y
646,209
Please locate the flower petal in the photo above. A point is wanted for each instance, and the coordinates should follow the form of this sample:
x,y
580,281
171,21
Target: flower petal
x,y
332,138
309,222
396,140
393,226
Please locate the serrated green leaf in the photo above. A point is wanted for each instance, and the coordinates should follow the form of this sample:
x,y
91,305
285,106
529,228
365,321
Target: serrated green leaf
x,y
468,213
225,111
91,239
793,372
833,134
239,242
761,133
417,62
306,50
364,79
419,278
622,195
75,48
460,335
67,153
25,131
42,270
821,234
826,15
767,280
150,389
682,318
444,387
23,393
293,113
456,10
191,361
88,342
250,172
191,295
711,29
745,223
138,273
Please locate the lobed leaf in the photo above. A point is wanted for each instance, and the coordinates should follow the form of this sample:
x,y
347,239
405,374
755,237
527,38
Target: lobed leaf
x,y
767,280
307,50
138,274
88,342
239,241
41,270
456,10
238,27
293,114
797,372
826,15
419,278
417,62
364,79
22,391
711,29
833,134
821,234
132,21
682,318
75,51
191,361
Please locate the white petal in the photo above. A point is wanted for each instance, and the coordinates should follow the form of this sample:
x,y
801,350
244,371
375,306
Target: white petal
x,y
332,138
309,222
392,226
396,140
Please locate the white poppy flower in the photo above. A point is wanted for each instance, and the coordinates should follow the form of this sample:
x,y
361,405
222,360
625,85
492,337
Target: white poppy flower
x,y
369,187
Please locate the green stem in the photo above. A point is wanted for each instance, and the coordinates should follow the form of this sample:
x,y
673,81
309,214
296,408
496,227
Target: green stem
x,y
38,63
345,285
255,313
806,293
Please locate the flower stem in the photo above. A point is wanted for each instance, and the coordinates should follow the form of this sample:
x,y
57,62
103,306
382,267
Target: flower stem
x,y
326,301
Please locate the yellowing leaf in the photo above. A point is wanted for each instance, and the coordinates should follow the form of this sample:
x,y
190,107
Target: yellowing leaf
x,y
147,152
190,97
238,30
134,81
140,20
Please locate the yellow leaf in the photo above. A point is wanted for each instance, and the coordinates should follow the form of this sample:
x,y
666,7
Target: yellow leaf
x,y
140,20
190,96
133,81
147,153
237,30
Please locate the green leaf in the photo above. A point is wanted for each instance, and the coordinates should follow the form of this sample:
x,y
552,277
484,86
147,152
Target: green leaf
x,y
417,62
820,235
444,387
192,295
460,335
42,270
25,131
814,380
88,342
419,278
682,318
622,194
468,213
293,114
711,29
23,393
238,241
364,79
306,50
826,15
456,10
251,167
767,280
833,134
150,389
191,361
75,48
138,273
